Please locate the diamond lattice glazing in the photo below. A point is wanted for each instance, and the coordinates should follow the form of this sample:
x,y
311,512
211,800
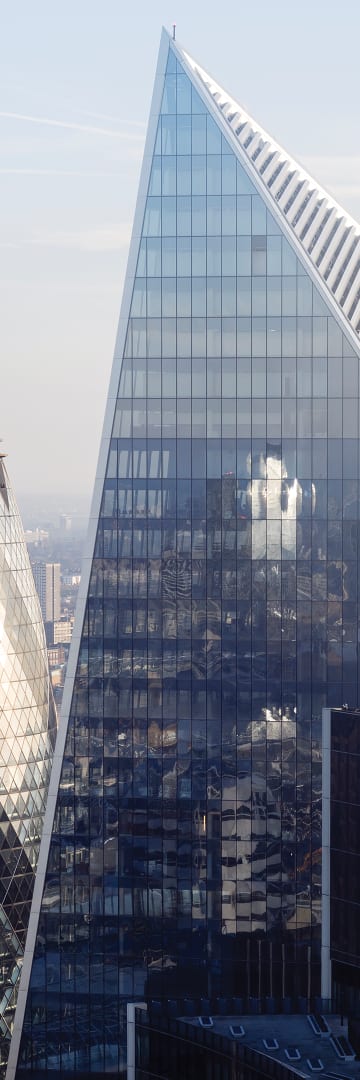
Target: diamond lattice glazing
x,y
27,728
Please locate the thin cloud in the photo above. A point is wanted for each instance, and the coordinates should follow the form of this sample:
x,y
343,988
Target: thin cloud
x,y
113,119
93,238
57,172
89,129
99,238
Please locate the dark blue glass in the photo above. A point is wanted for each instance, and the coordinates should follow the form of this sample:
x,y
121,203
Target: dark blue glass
x,y
219,621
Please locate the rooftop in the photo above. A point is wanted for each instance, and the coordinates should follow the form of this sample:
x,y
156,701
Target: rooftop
x,y
323,231
290,1032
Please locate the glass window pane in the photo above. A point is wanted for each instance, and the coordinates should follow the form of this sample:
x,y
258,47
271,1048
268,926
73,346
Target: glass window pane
x,y
138,305
183,216
289,296
183,176
244,255
228,255
319,377
229,296
198,215
244,296
244,337
304,296
228,220
155,178
169,94
228,336
288,258
154,296
168,127
213,136
169,176
198,296
152,219
243,183
169,296
351,376
199,133
198,174
183,256
183,94
258,295
197,104
213,255
213,174
258,250
184,134
199,255
244,378
273,295
274,254
243,215
168,216
228,169
168,257
258,215
213,215
319,336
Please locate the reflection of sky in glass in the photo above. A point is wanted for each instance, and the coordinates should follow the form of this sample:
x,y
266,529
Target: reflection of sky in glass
x,y
188,814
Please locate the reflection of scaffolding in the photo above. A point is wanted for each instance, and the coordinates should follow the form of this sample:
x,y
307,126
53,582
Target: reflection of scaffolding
x,y
256,891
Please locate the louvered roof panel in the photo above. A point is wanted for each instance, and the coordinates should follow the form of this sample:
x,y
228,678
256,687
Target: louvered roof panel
x,y
327,234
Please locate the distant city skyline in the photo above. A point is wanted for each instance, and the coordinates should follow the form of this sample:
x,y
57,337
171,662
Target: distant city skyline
x,y
73,114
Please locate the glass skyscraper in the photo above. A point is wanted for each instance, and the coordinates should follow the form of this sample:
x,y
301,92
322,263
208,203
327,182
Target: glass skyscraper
x,y
27,736
220,604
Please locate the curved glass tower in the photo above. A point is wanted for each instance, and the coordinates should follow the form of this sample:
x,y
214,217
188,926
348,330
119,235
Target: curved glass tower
x,y
27,730
220,604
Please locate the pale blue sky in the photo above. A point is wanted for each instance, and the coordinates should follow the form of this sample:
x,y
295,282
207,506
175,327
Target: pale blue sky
x,y
75,85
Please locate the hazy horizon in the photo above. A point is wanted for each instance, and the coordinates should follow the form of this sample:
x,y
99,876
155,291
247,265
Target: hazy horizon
x,y
76,85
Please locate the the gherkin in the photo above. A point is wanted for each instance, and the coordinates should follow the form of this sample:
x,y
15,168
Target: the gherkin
x,y
27,734
219,605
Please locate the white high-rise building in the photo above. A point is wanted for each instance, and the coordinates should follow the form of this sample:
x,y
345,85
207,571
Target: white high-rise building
x,y
27,736
47,577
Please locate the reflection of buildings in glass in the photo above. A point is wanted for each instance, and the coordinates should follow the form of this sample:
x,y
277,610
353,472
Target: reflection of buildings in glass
x,y
220,602
275,502
27,730
258,827
254,886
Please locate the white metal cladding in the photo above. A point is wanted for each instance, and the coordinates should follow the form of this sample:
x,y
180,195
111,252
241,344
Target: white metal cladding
x,y
330,237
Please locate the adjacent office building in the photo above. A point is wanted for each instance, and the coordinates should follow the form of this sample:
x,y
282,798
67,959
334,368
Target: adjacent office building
x,y
219,605
27,734
341,858
48,584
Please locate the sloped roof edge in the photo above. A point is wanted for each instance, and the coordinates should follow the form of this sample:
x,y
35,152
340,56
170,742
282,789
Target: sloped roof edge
x,y
325,235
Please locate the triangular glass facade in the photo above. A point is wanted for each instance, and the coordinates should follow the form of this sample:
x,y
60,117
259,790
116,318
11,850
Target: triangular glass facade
x,y
221,616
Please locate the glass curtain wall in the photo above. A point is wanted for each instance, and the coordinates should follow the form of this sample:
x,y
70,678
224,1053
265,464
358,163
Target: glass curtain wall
x,y
27,736
221,617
